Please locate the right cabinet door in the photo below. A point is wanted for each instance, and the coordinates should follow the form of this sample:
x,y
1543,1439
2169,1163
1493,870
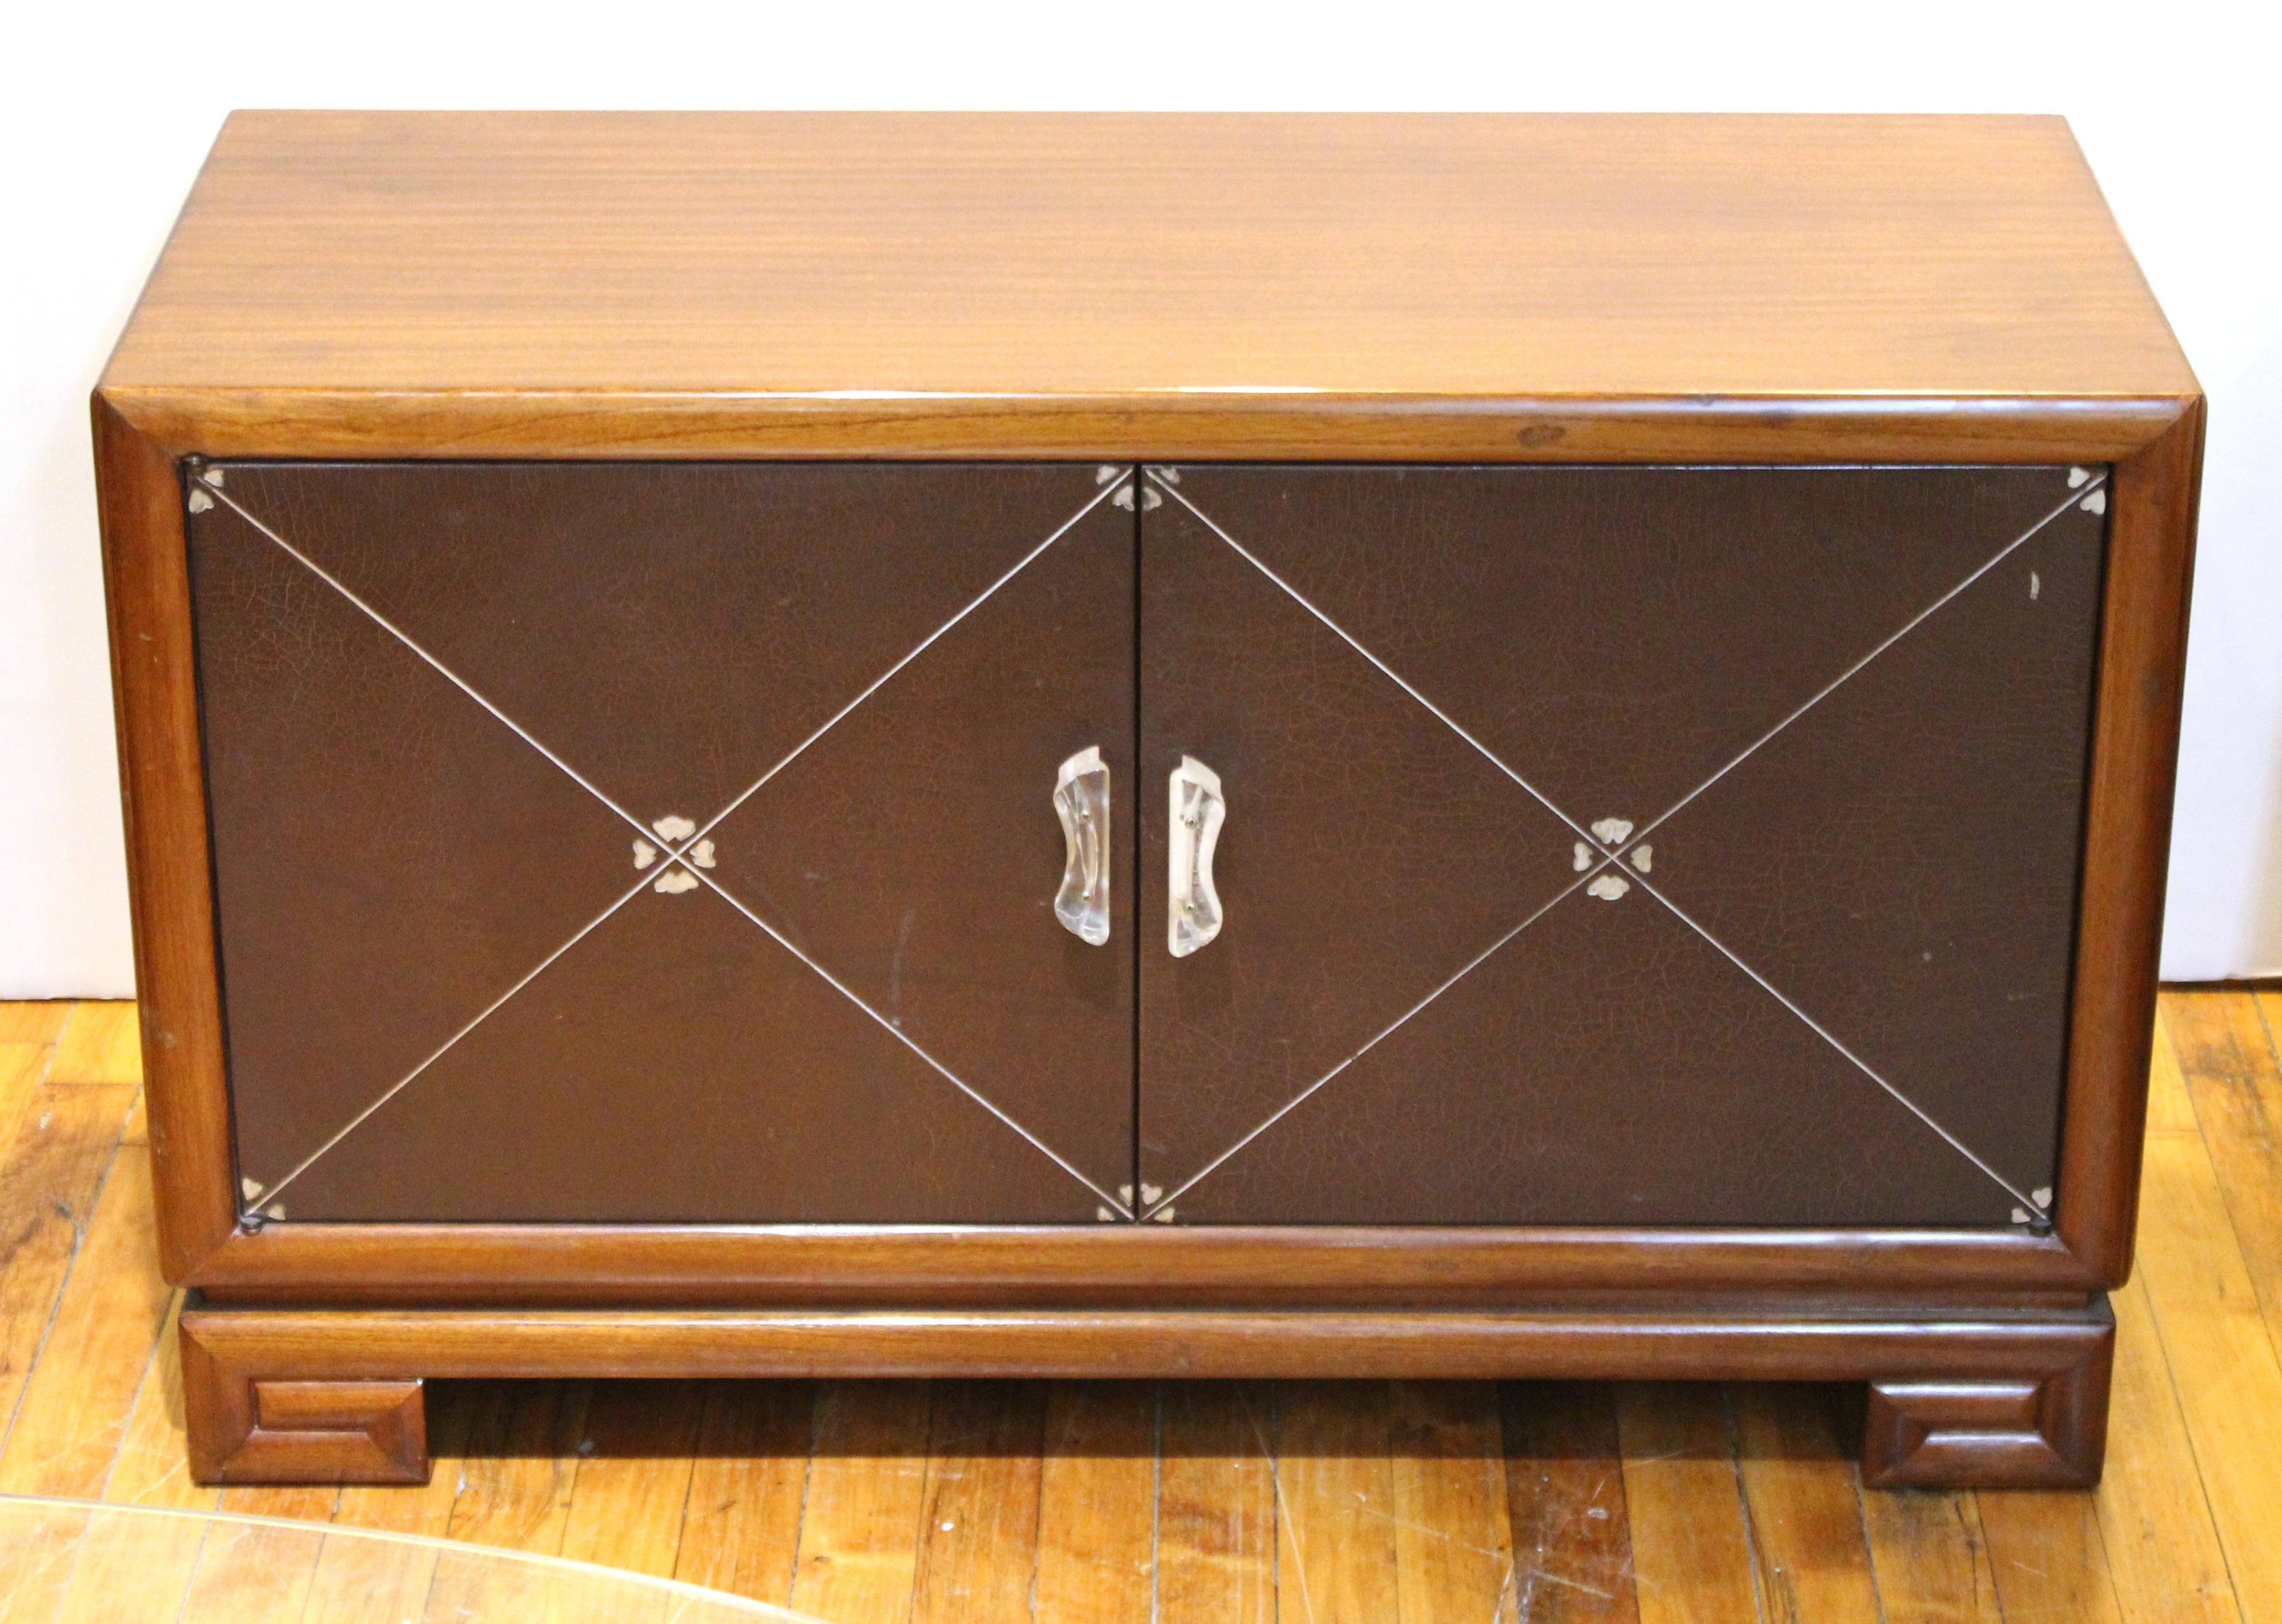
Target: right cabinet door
x,y
1610,845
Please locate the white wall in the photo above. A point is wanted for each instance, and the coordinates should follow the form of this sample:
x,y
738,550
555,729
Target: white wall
x,y
109,113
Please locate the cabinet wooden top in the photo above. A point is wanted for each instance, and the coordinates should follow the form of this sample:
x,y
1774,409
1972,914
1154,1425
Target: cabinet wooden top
x,y
471,269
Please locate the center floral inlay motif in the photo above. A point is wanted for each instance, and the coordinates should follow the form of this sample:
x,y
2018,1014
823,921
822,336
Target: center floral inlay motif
x,y
676,879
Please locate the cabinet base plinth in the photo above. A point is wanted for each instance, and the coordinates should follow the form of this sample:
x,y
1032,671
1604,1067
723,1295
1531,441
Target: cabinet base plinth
x,y
1987,1398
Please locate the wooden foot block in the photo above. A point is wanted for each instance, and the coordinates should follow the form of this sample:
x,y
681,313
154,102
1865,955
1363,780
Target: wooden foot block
x,y
249,1429
2040,1430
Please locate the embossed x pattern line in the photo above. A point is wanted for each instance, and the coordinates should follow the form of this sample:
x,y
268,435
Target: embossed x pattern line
x,y
671,854
1612,855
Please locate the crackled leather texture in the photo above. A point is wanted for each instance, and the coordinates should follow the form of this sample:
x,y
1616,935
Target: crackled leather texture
x,y
391,859
1832,990
1896,866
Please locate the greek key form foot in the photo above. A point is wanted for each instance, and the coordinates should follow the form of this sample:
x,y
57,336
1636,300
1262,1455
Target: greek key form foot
x,y
246,1428
2042,1429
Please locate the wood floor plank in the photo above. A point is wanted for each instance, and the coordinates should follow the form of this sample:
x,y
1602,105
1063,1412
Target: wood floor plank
x,y
360,1580
859,1538
1097,1504
252,1574
2162,1548
2269,1012
515,1486
47,1186
1336,1561
1930,1557
2170,1107
978,1532
1217,1539
2047,1559
1565,1485
2229,1064
100,1043
294,1502
741,1535
23,1068
152,1466
1800,1486
39,1547
515,1489
133,1567
632,1488
38,1020
1691,1552
1453,1539
114,1305
2228,1377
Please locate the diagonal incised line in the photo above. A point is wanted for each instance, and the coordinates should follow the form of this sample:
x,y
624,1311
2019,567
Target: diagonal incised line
x,y
445,672
1383,668
1851,671
1610,855
1600,849
882,680
897,1032
2074,496
671,853
1823,1032
445,1047
1607,858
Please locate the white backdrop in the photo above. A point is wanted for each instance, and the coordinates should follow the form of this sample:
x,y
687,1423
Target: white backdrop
x,y
109,114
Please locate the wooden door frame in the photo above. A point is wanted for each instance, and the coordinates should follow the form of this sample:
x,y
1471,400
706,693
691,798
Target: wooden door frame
x,y
141,436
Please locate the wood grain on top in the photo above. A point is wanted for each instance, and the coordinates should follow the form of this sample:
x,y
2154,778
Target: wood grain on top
x,y
1134,259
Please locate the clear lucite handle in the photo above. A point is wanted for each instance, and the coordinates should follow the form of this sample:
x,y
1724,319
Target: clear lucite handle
x,y
1081,802
1198,812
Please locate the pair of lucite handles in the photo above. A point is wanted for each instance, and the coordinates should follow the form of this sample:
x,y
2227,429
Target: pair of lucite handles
x,y
1081,802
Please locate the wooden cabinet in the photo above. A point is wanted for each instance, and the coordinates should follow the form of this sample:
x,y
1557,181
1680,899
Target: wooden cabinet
x,y
1496,747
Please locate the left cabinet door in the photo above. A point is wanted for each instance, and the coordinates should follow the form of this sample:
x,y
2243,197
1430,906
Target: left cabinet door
x,y
667,842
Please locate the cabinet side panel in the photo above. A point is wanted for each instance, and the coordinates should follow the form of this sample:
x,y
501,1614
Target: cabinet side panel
x,y
154,688
2128,832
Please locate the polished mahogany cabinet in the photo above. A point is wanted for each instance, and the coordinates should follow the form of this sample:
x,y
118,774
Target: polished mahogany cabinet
x,y
886,744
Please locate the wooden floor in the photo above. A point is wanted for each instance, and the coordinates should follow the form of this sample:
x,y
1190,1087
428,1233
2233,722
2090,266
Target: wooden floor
x,y
1401,1504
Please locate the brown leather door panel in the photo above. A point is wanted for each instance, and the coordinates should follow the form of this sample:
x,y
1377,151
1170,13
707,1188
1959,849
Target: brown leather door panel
x,y
654,842
1647,845
673,843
